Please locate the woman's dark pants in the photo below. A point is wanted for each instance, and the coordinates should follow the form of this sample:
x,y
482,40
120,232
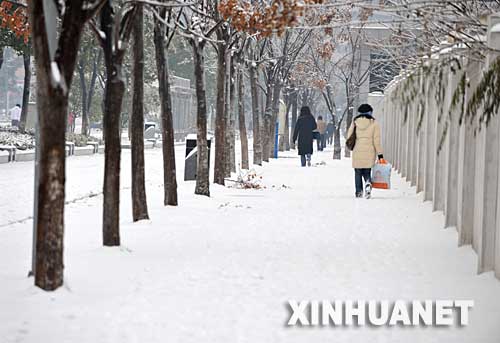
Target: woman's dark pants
x,y
304,158
359,175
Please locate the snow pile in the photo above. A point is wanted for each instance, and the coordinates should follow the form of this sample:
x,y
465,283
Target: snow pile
x,y
21,141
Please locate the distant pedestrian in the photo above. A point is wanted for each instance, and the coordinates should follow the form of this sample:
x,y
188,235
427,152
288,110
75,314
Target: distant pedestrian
x,y
330,130
304,133
71,122
321,127
15,115
366,149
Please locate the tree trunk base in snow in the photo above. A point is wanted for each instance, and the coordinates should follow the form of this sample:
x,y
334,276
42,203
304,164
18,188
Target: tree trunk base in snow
x,y
202,190
337,153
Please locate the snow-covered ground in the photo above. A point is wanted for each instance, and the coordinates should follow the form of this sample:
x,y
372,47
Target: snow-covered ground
x,y
221,269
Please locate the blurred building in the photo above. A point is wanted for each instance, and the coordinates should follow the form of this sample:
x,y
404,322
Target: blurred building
x,y
183,105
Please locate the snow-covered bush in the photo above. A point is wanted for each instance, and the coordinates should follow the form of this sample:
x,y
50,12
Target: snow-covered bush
x,y
21,141
81,140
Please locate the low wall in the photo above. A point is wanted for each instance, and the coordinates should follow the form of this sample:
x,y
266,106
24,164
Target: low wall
x,y
454,163
15,155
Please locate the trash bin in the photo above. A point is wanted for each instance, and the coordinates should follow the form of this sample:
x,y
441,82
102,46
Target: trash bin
x,y
149,124
191,159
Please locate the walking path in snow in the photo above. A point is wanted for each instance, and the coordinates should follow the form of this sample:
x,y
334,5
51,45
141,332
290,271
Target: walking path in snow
x,y
221,269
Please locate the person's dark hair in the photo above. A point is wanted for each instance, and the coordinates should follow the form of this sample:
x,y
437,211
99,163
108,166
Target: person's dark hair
x,y
320,118
18,105
305,111
365,109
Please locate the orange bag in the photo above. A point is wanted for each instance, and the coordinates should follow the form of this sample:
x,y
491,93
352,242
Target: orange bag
x,y
381,175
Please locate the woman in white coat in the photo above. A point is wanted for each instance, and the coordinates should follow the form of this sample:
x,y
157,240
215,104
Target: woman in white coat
x,y
367,148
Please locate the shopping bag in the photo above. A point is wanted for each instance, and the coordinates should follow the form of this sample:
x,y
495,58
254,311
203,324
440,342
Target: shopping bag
x,y
381,175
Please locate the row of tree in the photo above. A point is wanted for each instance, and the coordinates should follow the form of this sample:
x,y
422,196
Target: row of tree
x,y
114,23
296,51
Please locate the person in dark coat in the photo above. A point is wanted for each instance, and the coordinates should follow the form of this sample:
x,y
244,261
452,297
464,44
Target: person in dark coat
x,y
330,130
304,128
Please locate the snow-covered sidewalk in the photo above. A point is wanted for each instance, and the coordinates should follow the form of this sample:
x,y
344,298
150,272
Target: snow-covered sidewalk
x,y
221,269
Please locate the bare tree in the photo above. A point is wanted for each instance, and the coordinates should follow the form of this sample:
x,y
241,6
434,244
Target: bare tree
x,y
139,199
162,34
202,172
54,77
114,34
294,110
229,112
241,119
223,62
197,24
26,89
89,55
256,118
224,121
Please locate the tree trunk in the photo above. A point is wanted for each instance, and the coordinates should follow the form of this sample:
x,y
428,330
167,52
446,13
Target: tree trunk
x,y
347,152
234,76
52,106
83,89
220,117
168,147
284,139
337,149
263,112
26,91
227,117
241,121
229,112
113,97
295,99
257,144
304,99
202,170
266,142
274,118
286,136
128,105
93,80
139,199
52,109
